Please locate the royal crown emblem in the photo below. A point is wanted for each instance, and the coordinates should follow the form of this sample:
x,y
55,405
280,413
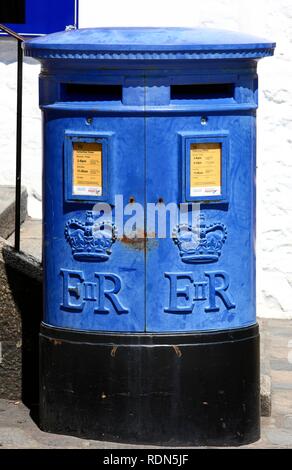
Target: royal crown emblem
x,y
201,244
90,240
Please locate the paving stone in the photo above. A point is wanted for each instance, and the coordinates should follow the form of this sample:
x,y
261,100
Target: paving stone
x,y
274,323
278,353
288,422
281,379
282,402
280,438
283,330
12,437
281,364
280,342
30,238
279,386
20,431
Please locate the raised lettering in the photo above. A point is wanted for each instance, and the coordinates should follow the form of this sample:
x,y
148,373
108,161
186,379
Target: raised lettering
x,y
72,290
218,290
176,293
110,294
90,291
200,290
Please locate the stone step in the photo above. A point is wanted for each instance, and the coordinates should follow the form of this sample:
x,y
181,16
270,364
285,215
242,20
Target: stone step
x,y
7,209
30,238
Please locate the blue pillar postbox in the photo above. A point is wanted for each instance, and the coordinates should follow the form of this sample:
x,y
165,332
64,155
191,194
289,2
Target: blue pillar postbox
x,y
149,335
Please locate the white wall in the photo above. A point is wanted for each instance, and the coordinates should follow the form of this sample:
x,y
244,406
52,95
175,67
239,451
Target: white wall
x,y
267,18
31,166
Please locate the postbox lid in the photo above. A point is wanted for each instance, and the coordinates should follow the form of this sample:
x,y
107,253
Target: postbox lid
x,y
148,44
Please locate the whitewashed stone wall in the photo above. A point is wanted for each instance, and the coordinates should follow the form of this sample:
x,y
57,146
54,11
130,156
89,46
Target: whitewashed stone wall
x,y
31,165
267,18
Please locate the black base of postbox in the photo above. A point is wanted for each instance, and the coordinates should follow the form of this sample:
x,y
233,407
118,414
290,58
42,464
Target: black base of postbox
x,y
170,389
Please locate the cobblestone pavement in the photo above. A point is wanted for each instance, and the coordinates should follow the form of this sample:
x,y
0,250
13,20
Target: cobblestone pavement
x,y
18,430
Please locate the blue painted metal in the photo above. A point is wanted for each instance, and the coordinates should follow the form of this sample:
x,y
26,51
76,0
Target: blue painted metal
x,y
150,44
47,16
150,284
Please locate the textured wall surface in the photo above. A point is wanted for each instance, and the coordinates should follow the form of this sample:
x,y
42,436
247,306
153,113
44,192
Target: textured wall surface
x,y
267,18
20,315
31,166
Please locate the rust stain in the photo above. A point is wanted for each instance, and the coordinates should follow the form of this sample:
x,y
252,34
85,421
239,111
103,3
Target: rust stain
x,y
177,351
135,243
141,241
113,351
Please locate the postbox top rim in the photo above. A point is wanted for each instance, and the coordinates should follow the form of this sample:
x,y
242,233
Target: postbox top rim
x,y
148,43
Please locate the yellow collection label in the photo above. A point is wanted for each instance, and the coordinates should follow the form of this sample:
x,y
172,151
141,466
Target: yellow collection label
x,y
87,169
205,169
